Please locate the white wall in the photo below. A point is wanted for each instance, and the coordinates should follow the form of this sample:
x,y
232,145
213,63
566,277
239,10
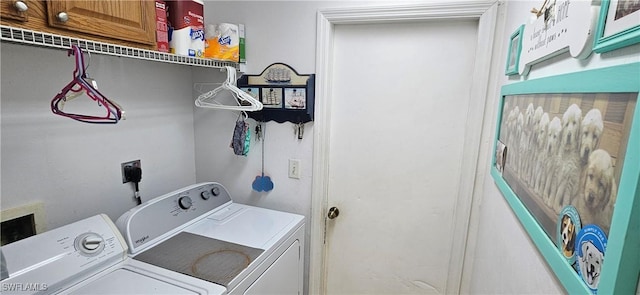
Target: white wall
x,y
505,261
277,31
73,167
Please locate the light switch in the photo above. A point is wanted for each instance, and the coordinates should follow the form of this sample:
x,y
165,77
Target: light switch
x,y
294,168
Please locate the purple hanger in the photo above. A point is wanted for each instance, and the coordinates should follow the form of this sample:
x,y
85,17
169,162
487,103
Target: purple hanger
x,y
113,112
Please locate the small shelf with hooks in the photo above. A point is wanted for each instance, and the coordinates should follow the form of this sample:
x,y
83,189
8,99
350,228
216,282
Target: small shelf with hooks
x,y
286,95
29,37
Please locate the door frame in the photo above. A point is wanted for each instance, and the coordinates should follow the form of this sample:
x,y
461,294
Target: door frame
x,y
486,12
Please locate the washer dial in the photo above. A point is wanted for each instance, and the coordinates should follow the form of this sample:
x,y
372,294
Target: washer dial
x,y
89,244
205,195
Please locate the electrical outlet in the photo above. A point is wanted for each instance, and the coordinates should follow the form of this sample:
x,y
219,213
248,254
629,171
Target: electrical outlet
x,y
294,168
134,163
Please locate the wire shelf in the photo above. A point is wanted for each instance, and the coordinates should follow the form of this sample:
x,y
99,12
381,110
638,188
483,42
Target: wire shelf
x,y
24,36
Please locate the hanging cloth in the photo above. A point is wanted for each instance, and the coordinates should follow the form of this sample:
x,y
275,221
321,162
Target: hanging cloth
x,y
241,137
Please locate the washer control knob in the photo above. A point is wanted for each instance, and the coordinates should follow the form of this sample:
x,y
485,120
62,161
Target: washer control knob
x,y
215,191
89,244
184,202
205,195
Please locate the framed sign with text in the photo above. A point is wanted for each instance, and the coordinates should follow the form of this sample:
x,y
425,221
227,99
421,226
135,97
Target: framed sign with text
x,y
565,26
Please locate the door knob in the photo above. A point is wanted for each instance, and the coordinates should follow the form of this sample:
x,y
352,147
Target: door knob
x,y
63,17
333,213
20,6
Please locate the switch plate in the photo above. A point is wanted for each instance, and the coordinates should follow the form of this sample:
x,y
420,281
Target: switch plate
x,y
134,163
294,168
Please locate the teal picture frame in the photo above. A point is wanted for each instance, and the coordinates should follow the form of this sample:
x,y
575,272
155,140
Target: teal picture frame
x,y
515,49
621,268
623,37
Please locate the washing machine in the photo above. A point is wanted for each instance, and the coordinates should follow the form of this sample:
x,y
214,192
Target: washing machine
x,y
200,232
88,257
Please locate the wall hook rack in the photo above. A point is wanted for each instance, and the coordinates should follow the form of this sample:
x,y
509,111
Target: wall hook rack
x,y
286,96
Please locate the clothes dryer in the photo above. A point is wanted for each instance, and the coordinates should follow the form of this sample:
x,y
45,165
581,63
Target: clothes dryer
x,y
200,232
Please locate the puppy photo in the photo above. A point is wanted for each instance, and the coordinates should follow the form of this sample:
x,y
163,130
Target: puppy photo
x,y
591,264
568,235
525,142
595,203
566,152
571,129
533,144
592,127
520,146
539,154
568,169
550,159
511,135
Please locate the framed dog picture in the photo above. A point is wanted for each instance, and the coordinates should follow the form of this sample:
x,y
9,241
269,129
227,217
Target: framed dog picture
x,y
618,25
515,48
572,173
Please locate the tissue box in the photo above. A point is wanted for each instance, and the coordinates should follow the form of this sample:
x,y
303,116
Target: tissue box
x,y
222,42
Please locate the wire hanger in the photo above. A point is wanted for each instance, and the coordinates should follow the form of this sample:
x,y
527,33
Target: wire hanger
x,y
207,100
80,85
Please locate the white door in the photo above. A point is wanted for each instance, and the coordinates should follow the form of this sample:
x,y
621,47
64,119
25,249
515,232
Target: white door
x,y
399,109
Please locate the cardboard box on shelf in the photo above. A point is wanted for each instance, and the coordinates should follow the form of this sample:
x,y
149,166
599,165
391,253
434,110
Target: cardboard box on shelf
x,y
162,30
186,27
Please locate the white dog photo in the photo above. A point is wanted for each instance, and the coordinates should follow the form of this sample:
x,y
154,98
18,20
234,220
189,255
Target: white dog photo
x,y
519,145
511,135
551,158
534,152
540,152
595,203
590,264
568,169
525,141
592,127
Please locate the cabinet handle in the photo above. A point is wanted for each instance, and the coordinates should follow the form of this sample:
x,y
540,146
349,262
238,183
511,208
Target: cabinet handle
x,y
20,6
63,17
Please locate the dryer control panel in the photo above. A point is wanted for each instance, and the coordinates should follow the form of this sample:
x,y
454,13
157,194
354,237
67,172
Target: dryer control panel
x,y
165,215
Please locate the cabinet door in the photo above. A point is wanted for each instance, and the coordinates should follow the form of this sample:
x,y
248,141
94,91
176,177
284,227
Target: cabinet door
x,y
130,20
15,10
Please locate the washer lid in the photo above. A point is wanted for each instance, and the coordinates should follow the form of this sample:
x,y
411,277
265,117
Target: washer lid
x,y
124,281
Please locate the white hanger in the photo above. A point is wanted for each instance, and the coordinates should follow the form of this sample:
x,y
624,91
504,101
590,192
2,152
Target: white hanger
x,y
207,100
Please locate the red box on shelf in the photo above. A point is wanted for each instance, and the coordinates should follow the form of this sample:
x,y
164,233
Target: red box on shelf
x,y
162,30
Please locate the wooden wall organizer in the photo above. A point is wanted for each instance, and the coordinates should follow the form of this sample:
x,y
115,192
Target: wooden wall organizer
x,y
286,95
